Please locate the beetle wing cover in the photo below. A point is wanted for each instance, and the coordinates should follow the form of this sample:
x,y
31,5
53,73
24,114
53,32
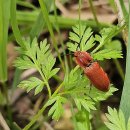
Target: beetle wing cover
x,y
97,76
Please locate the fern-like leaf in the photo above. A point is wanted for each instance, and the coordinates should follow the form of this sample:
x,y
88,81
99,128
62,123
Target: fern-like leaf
x,y
81,37
57,108
47,67
24,62
113,45
98,95
72,46
75,81
107,54
84,102
106,35
38,57
33,55
116,120
32,83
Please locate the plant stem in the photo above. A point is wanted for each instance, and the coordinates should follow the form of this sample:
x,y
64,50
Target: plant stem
x,y
58,89
47,20
15,24
125,104
39,24
35,118
60,38
26,4
48,88
87,120
119,68
80,1
93,11
9,112
125,13
16,79
69,92
73,118
4,23
30,17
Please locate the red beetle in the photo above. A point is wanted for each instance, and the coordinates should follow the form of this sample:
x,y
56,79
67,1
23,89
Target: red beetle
x,y
92,70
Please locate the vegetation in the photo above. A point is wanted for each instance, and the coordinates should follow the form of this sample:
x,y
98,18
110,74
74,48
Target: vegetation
x,y
100,40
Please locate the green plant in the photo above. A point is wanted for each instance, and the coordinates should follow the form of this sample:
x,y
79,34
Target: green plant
x,y
75,86
116,120
124,104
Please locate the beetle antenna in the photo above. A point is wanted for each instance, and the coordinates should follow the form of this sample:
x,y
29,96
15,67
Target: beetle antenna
x,y
67,54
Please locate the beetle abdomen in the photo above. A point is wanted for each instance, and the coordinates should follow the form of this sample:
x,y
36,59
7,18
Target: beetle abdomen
x,y
97,76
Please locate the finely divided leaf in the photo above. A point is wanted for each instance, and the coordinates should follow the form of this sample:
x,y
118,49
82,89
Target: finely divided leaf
x,y
38,57
31,49
90,43
57,109
82,101
24,62
34,55
113,45
87,41
116,120
82,39
81,36
74,37
32,83
107,54
106,35
75,81
43,52
72,46
98,95
47,67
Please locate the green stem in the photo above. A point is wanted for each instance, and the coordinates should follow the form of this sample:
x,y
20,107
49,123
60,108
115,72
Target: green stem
x,y
48,88
40,112
74,118
119,68
57,78
60,38
15,24
80,1
35,118
16,79
47,20
94,12
4,23
125,104
39,24
29,17
69,92
58,89
9,112
125,13
26,4
87,120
